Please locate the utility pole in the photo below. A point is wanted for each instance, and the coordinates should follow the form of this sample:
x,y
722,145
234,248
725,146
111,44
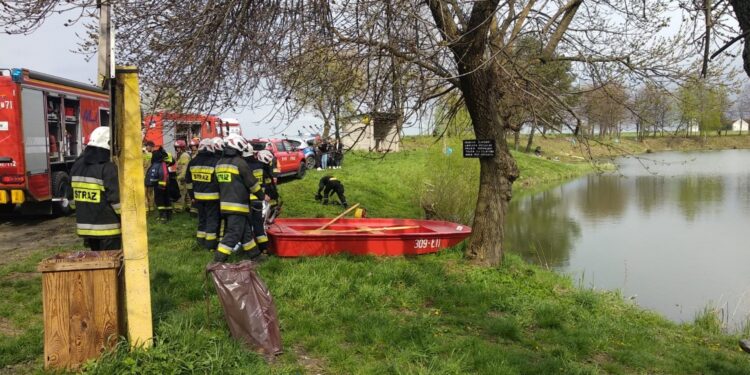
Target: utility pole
x,y
125,122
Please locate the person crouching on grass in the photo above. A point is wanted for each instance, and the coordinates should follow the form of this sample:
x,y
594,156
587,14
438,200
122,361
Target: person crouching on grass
x,y
329,185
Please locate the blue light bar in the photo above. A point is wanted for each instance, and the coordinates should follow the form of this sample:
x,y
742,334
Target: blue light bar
x,y
17,75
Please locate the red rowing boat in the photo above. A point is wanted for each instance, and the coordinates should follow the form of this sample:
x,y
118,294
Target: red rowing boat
x,y
381,237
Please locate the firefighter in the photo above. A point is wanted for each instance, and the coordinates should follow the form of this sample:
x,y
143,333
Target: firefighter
x,y
328,185
158,178
261,174
195,143
96,194
204,192
181,163
236,183
269,183
148,149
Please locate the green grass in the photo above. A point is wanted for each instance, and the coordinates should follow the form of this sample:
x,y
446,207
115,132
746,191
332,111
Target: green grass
x,y
433,314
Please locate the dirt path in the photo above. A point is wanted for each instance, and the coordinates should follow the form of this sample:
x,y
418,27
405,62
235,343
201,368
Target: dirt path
x,y
20,237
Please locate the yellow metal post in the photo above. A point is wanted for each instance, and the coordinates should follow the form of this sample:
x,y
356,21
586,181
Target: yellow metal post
x,y
127,116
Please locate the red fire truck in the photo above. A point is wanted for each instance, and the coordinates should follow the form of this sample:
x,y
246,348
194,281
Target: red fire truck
x,y
164,128
43,123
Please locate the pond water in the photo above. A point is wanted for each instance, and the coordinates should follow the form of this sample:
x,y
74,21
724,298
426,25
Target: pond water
x,y
670,230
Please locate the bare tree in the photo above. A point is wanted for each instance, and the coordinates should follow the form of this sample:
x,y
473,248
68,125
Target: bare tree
x,y
220,53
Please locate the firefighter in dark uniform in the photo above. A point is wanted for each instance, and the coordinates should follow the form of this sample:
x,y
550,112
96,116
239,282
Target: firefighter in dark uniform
x,y
236,184
160,183
257,221
328,185
96,194
204,192
269,182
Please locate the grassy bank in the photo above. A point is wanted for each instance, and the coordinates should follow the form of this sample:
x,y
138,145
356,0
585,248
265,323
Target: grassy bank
x,y
430,314
564,148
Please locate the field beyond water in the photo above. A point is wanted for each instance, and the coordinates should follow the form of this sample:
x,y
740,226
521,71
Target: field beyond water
x,y
430,314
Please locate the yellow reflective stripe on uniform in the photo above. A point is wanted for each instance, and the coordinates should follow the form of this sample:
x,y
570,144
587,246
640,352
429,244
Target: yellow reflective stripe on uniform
x,y
95,232
87,186
227,168
235,207
162,183
201,169
261,239
249,246
98,229
205,196
116,207
224,249
90,180
210,236
200,234
255,188
332,179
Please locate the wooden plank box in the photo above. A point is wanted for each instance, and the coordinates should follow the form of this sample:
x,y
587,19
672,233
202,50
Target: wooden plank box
x,y
81,306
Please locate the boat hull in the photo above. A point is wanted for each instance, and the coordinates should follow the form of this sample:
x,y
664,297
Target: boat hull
x,y
297,238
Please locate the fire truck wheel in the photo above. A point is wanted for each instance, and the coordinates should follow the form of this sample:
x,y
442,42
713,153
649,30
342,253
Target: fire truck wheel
x,y
62,191
301,171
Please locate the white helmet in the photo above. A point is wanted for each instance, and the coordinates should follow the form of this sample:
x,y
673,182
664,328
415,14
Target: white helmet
x,y
206,144
236,142
218,144
248,152
264,156
100,137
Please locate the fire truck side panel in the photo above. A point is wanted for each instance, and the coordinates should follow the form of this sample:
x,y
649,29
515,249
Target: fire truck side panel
x,y
35,141
12,171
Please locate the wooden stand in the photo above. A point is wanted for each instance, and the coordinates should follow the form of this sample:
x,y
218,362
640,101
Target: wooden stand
x,y
81,300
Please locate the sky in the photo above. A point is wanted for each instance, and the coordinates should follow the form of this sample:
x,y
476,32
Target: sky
x,y
49,50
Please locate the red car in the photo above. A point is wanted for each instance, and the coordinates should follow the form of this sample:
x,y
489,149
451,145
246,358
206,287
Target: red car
x,y
290,161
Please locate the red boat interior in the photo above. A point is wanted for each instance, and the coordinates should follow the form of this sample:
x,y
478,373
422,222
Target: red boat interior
x,y
354,229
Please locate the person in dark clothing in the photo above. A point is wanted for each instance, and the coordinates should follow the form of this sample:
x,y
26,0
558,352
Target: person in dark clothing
x,y
324,149
261,173
96,194
236,184
158,177
204,193
328,185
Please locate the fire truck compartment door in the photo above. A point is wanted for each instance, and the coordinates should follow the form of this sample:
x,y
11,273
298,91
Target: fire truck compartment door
x,y
34,130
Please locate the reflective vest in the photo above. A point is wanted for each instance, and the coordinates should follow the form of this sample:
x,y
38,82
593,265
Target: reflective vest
x,y
236,184
200,179
182,165
96,198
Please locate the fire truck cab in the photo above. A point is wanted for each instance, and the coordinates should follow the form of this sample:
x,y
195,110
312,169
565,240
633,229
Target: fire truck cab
x,y
44,121
164,128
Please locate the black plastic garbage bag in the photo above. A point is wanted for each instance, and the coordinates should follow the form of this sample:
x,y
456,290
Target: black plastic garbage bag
x,y
248,306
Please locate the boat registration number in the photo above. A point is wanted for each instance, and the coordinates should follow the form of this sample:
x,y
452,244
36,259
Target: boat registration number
x,y
427,244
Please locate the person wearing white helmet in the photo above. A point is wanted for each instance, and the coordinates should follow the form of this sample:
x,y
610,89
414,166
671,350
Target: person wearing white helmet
x,y
236,184
204,193
96,194
218,144
269,183
261,171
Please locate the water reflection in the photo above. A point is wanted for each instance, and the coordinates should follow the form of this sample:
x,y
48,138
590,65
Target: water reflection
x,y
603,196
674,235
540,231
699,193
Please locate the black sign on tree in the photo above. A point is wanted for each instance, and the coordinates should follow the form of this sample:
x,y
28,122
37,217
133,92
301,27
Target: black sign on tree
x,y
479,148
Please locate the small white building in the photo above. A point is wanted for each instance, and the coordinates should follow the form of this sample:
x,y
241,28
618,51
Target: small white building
x,y
740,125
380,132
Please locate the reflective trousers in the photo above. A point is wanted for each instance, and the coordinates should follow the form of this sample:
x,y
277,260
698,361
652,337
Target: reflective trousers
x,y
209,218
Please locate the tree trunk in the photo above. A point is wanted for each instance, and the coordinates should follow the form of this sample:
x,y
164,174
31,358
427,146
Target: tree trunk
x,y
530,142
497,173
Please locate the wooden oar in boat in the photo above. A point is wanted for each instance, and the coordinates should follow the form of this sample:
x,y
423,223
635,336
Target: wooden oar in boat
x,y
328,224
331,231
